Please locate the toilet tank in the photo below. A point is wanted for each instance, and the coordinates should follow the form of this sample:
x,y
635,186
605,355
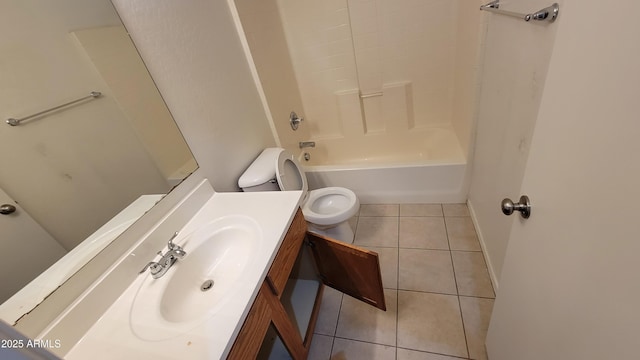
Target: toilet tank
x,y
261,174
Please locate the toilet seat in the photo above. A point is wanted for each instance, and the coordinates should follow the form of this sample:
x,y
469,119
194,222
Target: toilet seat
x,y
290,175
330,205
325,206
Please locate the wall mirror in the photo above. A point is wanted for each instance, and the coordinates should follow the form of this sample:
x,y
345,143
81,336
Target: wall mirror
x,y
79,175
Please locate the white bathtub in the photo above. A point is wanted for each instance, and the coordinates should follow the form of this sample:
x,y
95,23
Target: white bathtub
x,y
426,167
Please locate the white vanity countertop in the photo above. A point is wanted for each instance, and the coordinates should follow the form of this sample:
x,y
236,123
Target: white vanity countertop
x,y
212,338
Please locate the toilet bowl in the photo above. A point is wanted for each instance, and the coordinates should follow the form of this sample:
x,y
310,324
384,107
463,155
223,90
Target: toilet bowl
x,y
326,210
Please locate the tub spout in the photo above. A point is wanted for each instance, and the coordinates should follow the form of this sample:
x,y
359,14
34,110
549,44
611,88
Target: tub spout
x,y
306,144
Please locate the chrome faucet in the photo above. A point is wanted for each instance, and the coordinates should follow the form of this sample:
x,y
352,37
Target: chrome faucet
x,y
158,269
306,144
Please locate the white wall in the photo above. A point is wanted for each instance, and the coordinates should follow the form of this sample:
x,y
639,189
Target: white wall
x,y
194,54
262,27
515,65
468,60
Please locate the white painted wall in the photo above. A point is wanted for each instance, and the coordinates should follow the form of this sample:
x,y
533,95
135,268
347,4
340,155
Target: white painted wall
x,y
194,54
514,70
269,54
470,26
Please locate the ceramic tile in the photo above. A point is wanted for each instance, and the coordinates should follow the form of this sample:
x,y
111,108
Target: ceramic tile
x,y
405,354
476,313
421,210
360,321
423,233
388,265
462,234
353,222
320,347
344,349
455,209
472,276
426,270
379,210
329,310
377,231
430,322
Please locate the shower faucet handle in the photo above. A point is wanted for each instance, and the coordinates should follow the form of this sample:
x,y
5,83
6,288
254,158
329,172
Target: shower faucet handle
x,y
295,120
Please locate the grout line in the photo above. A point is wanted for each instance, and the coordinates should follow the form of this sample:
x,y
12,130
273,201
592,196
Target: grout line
x,y
333,341
398,286
477,297
428,292
464,330
364,341
433,353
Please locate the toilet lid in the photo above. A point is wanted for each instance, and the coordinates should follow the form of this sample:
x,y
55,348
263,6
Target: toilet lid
x,y
289,174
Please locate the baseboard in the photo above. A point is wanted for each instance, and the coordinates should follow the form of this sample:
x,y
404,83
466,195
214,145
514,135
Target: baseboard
x,y
487,256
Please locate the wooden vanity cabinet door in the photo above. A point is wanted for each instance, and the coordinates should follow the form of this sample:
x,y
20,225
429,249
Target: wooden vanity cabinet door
x,y
349,269
255,327
283,263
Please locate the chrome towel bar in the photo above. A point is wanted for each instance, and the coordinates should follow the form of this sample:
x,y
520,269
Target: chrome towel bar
x,y
16,122
549,13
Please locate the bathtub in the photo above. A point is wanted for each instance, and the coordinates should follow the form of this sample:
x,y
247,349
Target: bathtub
x,y
424,167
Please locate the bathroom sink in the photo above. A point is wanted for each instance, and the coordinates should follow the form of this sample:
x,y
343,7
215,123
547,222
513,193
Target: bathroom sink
x,y
197,286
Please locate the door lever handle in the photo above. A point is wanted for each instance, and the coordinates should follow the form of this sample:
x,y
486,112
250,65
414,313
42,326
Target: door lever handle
x,y
6,209
523,206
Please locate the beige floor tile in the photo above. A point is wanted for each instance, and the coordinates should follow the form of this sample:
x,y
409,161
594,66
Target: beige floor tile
x,y
455,209
344,349
405,354
476,313
377,231
353,222
472,276
320,347
379,210
430,322
421,210
360,321
329,310
426,270
462,234
423,233
388,265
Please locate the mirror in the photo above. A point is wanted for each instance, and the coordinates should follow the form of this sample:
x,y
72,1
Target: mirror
x,y
72,170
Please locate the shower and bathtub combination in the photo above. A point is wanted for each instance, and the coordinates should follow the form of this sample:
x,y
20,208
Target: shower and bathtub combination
x,y
386,89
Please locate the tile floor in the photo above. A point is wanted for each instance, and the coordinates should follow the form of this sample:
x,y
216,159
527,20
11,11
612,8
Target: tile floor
x,y
437,289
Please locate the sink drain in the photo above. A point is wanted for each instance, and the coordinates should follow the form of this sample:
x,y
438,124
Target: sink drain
x,y
207,285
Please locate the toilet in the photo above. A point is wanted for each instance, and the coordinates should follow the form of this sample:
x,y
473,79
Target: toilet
x,y
326,210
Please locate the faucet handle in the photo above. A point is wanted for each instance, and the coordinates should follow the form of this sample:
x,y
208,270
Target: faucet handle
x,y
154,266
171,245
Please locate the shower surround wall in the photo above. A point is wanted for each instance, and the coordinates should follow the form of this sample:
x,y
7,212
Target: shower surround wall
x,y
367,71
380,83
342,50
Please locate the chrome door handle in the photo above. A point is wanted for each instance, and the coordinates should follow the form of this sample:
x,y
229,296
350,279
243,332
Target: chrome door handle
x,y
6,209
524,206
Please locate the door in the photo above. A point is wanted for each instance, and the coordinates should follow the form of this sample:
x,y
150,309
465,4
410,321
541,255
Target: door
x,y
28,249
570,286
349,269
